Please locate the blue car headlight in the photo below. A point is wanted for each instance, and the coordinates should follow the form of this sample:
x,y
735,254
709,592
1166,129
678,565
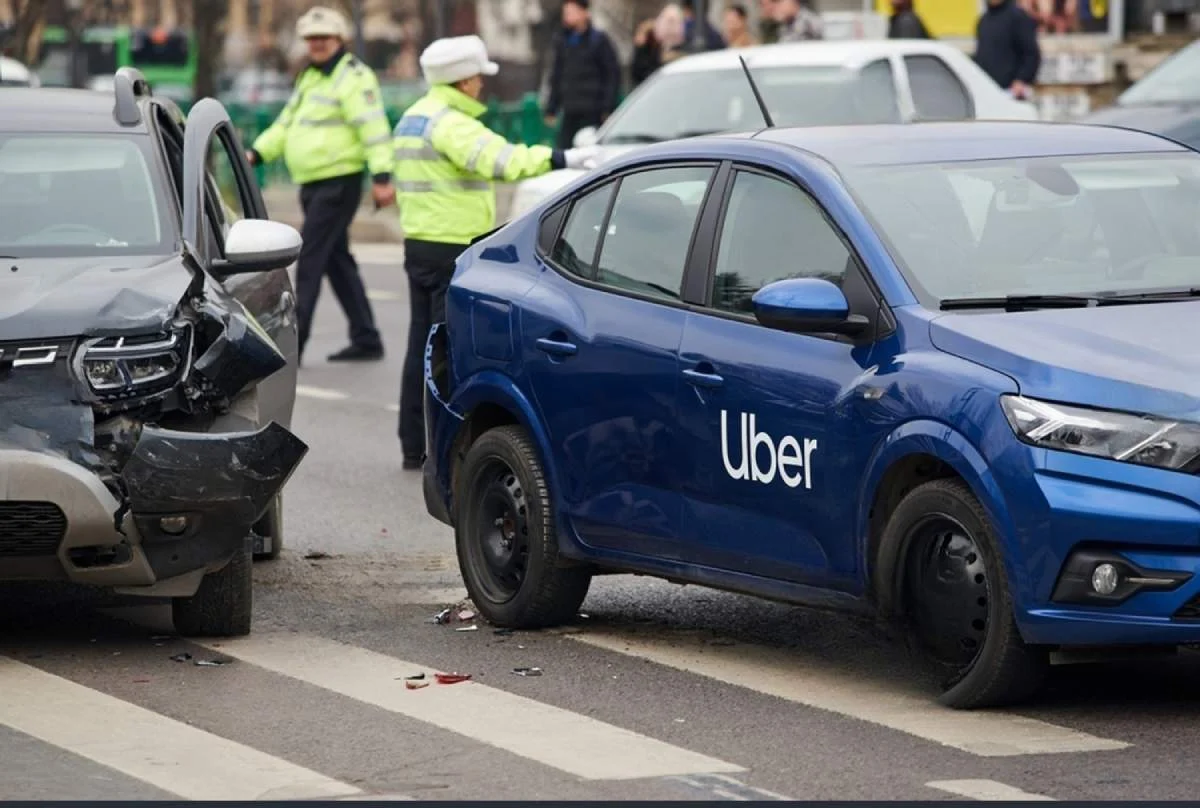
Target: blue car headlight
x,y
1142,439
117,368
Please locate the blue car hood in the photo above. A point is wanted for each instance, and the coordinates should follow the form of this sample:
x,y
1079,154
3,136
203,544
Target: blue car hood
x,y
1140,358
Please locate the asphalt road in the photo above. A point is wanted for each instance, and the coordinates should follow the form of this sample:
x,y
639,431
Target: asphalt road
x,y
660,692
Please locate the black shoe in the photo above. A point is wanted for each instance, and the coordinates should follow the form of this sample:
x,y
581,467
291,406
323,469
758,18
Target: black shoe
x,y
357,353
412,464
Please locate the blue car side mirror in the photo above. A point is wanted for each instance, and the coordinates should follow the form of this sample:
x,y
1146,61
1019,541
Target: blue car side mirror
x,y
806,305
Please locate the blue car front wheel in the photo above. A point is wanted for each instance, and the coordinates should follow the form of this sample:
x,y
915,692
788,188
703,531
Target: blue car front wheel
x,y
957,598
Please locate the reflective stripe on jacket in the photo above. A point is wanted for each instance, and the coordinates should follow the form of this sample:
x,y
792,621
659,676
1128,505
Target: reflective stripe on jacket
x,y
333,125
446,162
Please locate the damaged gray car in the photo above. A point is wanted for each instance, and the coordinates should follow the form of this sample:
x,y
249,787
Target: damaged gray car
x,y
147,352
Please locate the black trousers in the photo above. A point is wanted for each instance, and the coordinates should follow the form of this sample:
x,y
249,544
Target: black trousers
x,y
329,207
572,122
429,266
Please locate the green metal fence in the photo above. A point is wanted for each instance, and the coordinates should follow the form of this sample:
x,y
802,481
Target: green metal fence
x,y
519,121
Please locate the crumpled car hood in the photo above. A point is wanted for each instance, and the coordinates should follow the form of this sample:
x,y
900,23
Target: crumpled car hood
x,y
59,297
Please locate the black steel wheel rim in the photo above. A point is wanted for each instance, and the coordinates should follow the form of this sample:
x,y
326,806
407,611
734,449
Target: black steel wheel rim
x,y
949,591
500,545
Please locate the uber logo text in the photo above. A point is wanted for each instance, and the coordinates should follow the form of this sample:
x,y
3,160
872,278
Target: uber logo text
x,y
784,457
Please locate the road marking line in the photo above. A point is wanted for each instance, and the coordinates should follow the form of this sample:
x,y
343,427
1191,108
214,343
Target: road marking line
x,y
568,741
786,676
989,790
169,754
728,788
320,392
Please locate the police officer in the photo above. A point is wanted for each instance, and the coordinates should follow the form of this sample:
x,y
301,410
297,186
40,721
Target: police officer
x,y
333,127
446,163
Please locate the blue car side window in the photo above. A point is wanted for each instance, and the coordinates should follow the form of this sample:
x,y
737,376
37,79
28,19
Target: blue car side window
x,y
772,230
646,242
575,250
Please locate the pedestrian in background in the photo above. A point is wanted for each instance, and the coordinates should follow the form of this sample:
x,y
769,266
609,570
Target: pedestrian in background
x,y
712,39
768,26
585,77
647,53
905,23
446,163
797,21
332,129
1006,47
736,28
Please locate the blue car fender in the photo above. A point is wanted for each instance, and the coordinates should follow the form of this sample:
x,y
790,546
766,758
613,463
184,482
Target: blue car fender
x,y
942,441
493,387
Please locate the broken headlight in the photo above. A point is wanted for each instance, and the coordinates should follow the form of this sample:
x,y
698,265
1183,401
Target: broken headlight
x,y
116,368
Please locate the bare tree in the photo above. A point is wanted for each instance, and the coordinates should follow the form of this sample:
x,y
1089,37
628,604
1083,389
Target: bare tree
x,y
25,38
208,23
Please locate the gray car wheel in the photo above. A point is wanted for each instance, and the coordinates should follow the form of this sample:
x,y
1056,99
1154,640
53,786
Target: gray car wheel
x,y
222,605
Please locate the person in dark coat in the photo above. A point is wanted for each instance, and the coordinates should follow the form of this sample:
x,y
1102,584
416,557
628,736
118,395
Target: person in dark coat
x,y
647,53
712,38
585,79
905,23
1006,46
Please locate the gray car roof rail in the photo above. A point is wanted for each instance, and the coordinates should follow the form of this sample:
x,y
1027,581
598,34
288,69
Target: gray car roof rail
x,y
128,86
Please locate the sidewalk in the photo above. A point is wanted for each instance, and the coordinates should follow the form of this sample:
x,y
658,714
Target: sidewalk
x,y
370,226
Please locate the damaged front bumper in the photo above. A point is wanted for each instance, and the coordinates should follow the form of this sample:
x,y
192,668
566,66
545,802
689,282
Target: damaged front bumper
x,y
191,499
135,461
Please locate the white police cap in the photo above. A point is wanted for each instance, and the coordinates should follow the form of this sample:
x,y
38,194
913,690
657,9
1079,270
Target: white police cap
x,y
322,21
455,58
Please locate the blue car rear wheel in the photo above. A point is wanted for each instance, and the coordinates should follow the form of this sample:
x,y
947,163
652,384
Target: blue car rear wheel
x,y
506,537
957,598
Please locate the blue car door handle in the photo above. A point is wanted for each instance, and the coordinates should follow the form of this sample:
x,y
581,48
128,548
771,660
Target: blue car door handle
x,y
702,379
557,347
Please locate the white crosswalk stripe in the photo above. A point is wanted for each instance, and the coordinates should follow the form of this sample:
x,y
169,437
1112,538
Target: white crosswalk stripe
x,y
568,741
887,703
198,764
153,748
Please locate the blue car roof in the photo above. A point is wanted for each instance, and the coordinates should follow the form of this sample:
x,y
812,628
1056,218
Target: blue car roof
x,y
896,144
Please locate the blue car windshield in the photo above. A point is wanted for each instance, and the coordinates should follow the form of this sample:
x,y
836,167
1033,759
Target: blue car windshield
x,y
80,196
1035,226
697,102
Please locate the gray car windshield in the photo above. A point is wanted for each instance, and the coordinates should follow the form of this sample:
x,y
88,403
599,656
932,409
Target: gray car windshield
x,y
1172,82
79,195
675,105
1044,226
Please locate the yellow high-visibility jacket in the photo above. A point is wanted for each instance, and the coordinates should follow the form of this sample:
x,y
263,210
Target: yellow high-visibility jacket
x,y
446,162
333,125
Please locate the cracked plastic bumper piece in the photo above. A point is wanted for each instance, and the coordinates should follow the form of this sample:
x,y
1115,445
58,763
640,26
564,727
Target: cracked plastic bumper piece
x,y
191,499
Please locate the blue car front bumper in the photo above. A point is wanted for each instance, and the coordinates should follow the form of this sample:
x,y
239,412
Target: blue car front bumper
x,y
1078,512
441,425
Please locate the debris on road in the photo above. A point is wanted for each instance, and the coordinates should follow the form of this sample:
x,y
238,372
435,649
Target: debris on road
x,y
527,671
212,663
412,685
503,632
463,612
451,678
467,628
316,555
415,677
183,657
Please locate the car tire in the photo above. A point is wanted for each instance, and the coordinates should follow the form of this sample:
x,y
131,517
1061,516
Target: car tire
x,y
221,607
506,537
271,525
957,598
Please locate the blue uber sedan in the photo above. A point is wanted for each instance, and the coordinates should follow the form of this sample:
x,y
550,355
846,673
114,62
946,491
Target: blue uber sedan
x,y
942,374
